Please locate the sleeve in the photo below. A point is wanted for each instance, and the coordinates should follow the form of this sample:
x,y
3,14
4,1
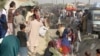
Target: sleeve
x,y
52,50
23,19
24,35
30,27
41,23
27,16
3,19
15,23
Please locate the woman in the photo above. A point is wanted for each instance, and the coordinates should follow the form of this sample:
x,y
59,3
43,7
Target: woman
x,y
65,43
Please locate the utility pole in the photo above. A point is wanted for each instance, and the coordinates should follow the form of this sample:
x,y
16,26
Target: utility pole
x,y
52,1
63,2
75,3
56,2
89,2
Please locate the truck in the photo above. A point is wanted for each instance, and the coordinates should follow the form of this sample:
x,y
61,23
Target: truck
x,y
95,16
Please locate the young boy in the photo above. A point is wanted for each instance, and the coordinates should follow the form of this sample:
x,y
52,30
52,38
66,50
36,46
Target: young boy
x,y
23,40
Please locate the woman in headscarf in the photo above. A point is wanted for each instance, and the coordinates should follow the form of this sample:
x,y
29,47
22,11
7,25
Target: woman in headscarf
x,y
65,43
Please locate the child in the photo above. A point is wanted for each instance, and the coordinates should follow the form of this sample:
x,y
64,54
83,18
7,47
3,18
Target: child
x,y
58,41
47,52
51,50
87,53
23,39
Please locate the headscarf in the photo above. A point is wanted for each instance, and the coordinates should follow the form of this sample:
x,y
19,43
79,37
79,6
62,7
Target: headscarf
x,y
65,41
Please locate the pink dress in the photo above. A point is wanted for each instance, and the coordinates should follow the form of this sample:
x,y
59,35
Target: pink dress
x,y
34,33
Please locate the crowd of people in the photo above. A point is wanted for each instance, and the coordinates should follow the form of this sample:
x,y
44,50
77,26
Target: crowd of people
x,y
27,31
22,34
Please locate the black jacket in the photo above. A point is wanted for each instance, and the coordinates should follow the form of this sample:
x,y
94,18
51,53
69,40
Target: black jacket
x,y
22,38
47,52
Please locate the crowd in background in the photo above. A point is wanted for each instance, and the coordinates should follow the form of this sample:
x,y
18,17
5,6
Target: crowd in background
x,y
22,32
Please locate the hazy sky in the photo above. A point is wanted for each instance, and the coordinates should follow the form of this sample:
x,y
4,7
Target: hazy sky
x,y
66,1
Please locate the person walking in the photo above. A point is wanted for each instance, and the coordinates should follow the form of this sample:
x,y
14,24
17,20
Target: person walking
x,y
18,19
33,39
11,16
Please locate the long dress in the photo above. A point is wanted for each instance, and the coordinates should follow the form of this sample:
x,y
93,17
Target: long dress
x,y
34,33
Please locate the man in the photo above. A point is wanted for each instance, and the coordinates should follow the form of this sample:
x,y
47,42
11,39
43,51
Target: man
x,y
18,19
11,16
34,39
9,45
29,14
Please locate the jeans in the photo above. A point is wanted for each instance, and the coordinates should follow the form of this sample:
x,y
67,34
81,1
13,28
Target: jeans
x,y
2,33
23,51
